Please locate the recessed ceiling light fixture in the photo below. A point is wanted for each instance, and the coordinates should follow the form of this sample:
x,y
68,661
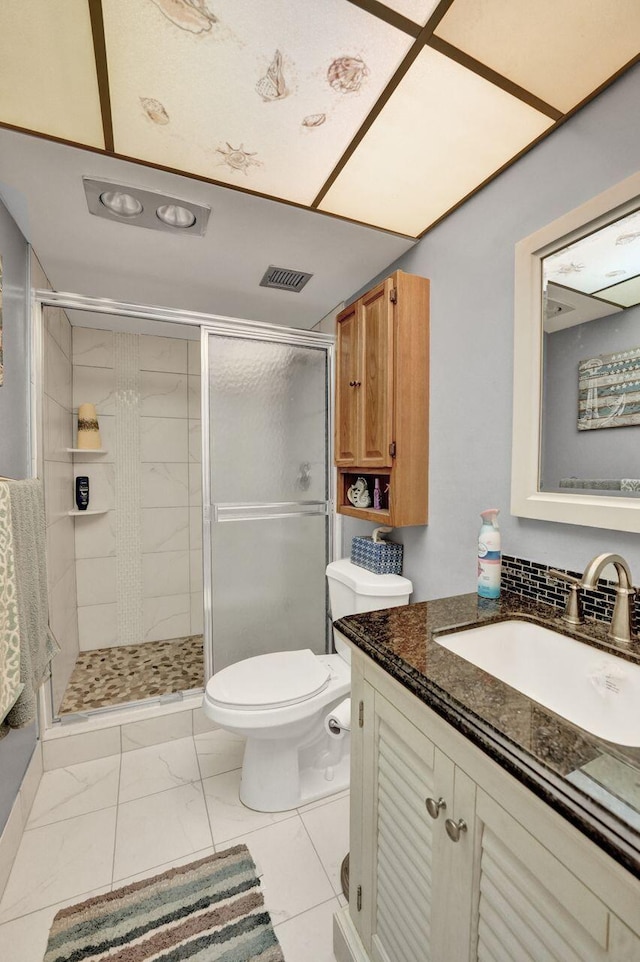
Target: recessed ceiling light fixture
x,y
144,208
175,216
123,205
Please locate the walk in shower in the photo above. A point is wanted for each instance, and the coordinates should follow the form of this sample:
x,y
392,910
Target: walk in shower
x,y
128,602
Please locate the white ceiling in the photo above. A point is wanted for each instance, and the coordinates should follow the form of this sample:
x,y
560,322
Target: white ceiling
x,y
41,184
386,112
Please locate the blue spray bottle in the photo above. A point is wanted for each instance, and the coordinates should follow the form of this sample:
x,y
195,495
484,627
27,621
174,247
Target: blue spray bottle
x,y
489,555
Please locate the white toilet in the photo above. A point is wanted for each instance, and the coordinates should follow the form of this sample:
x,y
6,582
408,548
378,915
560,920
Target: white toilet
x,y
280,701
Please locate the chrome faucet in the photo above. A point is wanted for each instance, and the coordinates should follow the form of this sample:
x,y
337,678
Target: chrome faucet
x,y
620,630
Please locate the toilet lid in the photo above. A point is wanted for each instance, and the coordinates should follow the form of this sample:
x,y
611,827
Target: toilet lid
x,y
269,681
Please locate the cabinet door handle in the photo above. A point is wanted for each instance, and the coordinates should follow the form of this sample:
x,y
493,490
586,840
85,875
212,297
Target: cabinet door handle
x,y
455,829
357,383
352,383
433,806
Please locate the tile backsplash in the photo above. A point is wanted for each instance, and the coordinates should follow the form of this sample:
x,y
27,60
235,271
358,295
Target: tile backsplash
x,y
530,579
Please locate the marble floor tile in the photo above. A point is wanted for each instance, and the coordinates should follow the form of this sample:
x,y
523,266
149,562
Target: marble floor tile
x,y
294,879
146,771
309,936
323,801
67,792
328,828
159,869
25,939
228,816
156,730
158,828
219,751
60,861
177,820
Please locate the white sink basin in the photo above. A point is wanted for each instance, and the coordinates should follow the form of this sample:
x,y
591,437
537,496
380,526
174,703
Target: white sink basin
x,y
591,688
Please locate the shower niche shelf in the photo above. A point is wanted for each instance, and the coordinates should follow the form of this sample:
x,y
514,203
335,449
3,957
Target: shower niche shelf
x,y
86,450
79,514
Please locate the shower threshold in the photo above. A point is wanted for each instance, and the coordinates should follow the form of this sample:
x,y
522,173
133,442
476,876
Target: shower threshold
x,y
126,674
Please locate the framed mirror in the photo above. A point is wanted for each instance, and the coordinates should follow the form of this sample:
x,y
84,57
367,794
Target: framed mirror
x,y
576,416
1,354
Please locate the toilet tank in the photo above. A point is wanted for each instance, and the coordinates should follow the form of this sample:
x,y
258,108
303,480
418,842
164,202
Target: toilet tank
x,y
353,589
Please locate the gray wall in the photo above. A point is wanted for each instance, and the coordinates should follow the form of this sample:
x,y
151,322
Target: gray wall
x,y
15,459
470,260
568,452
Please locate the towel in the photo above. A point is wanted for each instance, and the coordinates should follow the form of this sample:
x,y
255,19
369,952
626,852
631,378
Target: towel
x,y
10,684
37,644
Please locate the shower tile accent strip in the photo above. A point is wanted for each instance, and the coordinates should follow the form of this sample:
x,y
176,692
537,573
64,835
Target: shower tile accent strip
x,y
127,485
530,579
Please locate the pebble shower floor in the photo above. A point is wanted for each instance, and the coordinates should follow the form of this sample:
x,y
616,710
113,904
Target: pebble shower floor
x,y
114,676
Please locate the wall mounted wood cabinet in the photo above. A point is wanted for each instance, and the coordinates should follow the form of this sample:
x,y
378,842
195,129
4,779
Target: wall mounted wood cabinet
x,y
382,399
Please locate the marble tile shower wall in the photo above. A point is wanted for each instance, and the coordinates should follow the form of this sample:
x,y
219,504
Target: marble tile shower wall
x,y
170,488
57,436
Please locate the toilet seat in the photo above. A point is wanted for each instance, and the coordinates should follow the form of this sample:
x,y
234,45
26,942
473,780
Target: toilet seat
x,y
275,680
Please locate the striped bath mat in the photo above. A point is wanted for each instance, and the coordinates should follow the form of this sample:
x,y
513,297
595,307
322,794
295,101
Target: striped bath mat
x,y
208,911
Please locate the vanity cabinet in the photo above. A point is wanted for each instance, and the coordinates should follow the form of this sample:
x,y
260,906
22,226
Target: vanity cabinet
x,y
382,396
453,860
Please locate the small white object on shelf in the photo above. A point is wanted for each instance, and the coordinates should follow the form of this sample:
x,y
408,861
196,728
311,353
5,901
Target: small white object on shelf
x,y
86,450
78,514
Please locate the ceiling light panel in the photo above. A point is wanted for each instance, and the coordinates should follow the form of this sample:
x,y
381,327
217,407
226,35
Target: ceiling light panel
x,y
417,10
442,133
626,294
561,52
604,257
47,69
263,95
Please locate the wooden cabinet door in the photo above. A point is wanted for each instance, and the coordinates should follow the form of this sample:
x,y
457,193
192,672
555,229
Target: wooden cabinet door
x,y
347,376
529,905
376,382
397,881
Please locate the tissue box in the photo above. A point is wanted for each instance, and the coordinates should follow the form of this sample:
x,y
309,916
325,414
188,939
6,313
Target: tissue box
x,y
381,557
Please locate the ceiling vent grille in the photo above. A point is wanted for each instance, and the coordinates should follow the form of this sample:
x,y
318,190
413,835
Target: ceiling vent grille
x,y
556,308
285,279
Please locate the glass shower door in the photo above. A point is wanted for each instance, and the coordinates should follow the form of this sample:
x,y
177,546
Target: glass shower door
x,y
268,498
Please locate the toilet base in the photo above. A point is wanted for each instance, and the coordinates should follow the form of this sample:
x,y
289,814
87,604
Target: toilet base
x,y
278,777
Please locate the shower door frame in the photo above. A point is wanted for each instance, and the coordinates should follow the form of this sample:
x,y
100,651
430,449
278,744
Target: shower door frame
x,y
256,331
208,323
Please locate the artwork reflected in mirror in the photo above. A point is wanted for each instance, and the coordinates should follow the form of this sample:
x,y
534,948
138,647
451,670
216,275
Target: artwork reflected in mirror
x,y
590,430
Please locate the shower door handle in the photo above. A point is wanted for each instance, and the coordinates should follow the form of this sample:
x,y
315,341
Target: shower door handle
x,y
268,510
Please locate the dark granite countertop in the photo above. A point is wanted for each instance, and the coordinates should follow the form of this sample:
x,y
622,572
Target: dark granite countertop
x,y
593,783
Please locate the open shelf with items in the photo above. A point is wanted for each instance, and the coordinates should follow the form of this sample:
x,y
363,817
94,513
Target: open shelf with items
x,y
379,515
382,399
78,514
